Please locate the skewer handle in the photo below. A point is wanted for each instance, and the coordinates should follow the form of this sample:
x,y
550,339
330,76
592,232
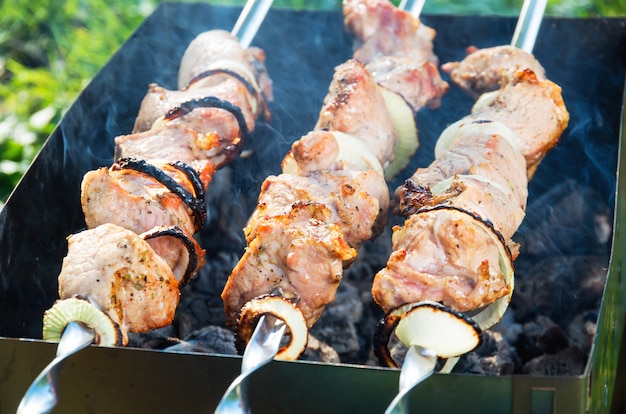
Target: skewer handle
x,y
528,24
412,6
250,20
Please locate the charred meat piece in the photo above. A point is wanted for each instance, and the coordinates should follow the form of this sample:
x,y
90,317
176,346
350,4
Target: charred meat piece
x,y
397,49
121,274
485,70
352,98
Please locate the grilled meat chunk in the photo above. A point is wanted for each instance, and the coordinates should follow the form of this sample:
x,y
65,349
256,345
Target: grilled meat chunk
x,y
481,172
352,98
120,273
485,70
138,202
207,120
175,143
532,108
219,49
397,49
304,231
441,255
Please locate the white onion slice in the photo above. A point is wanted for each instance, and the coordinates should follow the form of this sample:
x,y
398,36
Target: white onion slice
x,y
279,308
407,140
474,126
484,100
433,326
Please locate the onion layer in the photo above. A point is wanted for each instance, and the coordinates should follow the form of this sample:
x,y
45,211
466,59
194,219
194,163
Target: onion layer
x,y
279,308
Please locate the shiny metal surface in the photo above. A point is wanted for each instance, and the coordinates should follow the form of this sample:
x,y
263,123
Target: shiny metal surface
x,y
261,349
43,394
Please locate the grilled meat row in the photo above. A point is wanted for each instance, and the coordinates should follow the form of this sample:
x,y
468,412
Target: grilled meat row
x,y
142,211
332,196
475,188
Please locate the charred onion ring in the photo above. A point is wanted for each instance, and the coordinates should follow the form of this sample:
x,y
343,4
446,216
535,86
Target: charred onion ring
x,y
192,201
405,322
279,308
178,233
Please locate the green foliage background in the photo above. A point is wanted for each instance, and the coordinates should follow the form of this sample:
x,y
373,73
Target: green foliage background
x,y
50,49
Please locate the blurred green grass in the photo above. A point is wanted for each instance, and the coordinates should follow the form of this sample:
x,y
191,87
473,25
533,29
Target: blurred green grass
x,y
50,50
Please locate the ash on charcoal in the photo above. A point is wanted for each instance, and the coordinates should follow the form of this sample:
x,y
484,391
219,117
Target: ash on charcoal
x,y
559,287
211,339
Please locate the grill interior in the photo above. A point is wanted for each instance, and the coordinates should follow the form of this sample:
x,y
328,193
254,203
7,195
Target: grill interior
x,y
566,238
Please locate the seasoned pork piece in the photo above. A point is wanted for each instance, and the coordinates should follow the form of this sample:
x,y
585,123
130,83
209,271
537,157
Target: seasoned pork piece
x,y
175,143
138,202
484,70
442,255
220,50
117,271
352,101
381,29
532,108
206,120
397,49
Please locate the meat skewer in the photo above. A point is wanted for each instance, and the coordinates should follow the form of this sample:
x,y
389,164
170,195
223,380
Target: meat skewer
x,y
455,247
311,219
123,273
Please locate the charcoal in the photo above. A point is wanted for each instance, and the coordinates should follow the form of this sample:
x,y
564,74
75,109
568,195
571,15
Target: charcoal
x,y
582,330
317,350
560,287
568,219
569,361
495,356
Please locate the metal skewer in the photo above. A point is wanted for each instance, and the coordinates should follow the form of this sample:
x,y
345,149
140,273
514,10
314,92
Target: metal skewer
x,y
419,364
42,395
528,24
261,349
412,6
250,20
